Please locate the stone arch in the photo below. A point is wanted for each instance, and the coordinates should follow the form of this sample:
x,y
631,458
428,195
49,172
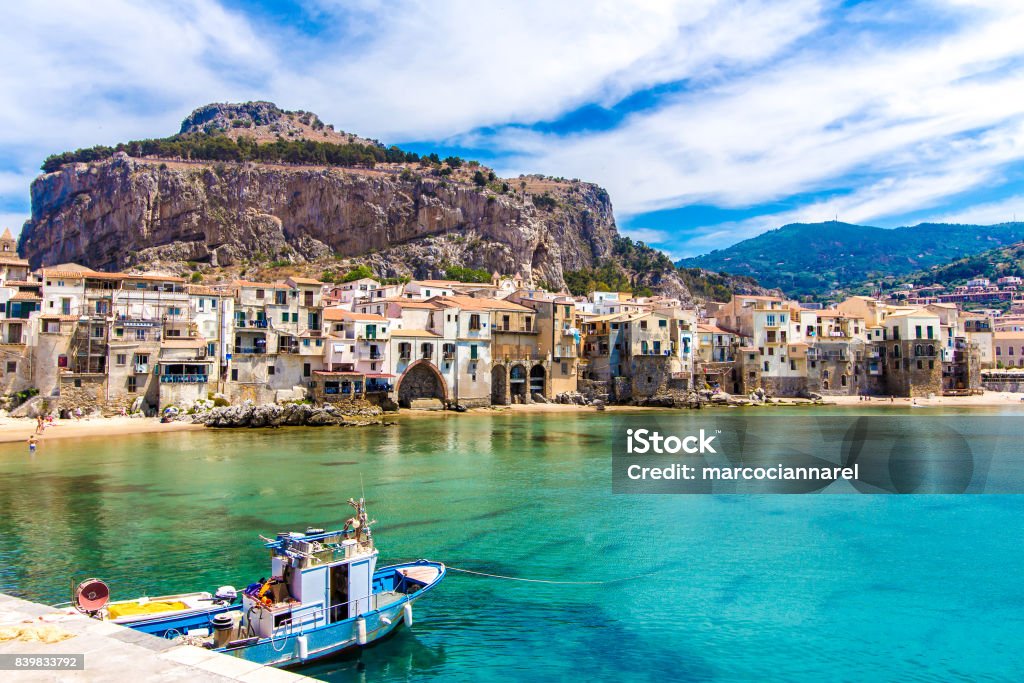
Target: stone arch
x,y
538,380
499,385
421,380
518,382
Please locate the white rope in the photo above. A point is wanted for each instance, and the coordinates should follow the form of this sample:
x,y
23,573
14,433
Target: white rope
x,y
563,583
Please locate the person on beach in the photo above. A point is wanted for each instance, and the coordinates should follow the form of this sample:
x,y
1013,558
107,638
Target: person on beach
x,y
40,425
32,443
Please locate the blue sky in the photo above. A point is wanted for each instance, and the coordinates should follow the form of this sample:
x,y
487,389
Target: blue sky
x,y
709,121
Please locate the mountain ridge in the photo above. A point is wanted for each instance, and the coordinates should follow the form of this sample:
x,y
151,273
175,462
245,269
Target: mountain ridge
x,y
810,259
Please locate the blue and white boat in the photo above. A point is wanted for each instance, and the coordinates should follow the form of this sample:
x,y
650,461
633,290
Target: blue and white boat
x,y
325,595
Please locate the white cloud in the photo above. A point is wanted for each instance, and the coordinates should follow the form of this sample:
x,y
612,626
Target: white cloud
x,y
1002,211
773,107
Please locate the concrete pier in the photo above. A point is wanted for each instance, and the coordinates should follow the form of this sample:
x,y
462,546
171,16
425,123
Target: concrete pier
x,y
115,653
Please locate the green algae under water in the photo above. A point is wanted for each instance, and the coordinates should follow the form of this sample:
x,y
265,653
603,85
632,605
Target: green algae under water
x,y
744,587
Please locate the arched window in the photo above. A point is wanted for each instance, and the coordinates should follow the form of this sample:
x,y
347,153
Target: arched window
x,y
918,350
896,351
931,349
842,380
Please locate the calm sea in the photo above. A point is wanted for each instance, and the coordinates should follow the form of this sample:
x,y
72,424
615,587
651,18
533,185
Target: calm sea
x,y
741,587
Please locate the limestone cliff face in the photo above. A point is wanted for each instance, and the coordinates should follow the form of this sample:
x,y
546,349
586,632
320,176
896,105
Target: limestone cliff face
x,y
123,213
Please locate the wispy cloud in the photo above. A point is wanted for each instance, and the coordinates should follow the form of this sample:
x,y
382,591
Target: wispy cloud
x,y
867,111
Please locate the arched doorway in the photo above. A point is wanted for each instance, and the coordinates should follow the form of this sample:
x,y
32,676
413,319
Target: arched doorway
x,y
421,380
537,380
517,382
499,385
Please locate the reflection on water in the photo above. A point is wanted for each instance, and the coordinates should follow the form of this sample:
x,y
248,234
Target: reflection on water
x,y
740,587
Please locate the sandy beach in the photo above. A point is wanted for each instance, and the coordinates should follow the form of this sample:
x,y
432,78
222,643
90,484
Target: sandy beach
x,y
19,429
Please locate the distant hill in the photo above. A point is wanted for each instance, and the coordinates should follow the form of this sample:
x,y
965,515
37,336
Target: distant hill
x,y
992,264
811,259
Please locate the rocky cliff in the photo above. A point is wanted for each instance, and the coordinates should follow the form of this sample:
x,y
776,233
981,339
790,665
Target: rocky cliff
x,y
123,212
125,209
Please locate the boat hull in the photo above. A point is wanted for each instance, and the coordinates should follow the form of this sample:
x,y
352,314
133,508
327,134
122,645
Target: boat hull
x,y
178,624
295,647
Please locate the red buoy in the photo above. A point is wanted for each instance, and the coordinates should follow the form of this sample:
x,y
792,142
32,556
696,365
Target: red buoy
x,y
92,595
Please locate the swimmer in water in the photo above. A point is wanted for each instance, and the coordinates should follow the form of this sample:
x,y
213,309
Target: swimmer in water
x,y
32,443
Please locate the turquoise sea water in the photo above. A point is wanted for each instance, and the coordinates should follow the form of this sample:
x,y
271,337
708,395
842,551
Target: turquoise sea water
x,y
743,587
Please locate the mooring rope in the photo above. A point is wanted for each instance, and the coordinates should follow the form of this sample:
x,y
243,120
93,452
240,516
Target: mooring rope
x,y
551,581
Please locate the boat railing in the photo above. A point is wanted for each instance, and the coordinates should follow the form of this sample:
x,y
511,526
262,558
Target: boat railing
x,y
312,618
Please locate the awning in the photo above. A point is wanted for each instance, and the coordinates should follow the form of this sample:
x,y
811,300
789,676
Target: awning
x,y
379,375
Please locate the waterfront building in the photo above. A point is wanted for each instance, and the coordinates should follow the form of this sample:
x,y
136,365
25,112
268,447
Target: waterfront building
x,y
1008,349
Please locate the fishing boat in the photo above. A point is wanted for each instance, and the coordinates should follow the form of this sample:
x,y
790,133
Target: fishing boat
x,y
162,615
325,595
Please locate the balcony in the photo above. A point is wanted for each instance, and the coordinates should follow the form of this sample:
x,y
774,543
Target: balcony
x,y
251,349
183,379
514,330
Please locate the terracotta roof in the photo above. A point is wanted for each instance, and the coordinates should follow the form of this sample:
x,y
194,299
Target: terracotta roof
x,y
13,261
334,373
414,333
65,274
470,303
305,281
22,283
439,283
260,285
7,235
712,329
58,316
404,303
342,314
204,290
25,296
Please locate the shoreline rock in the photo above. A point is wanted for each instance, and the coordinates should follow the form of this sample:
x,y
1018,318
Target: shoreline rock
x,y
248,414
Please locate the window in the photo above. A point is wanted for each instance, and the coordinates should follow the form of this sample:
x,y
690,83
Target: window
x,y
920,364
78,383
295,317
474,321
662,323
473,352
12,366
305,342
280,297
930,332
792,364
917,331
234,374
260,293
173,333
405,350
766,366
565,368
842,380
132,384
173,310
307,370
426,350
284,317
122,359
271,370
211,349
141,359
643,324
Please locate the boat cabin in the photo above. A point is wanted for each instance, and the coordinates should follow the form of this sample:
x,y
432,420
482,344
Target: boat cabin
x,y
318,578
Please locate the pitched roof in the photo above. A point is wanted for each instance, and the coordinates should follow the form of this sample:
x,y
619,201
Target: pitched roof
x,y
342,314
24,295
414,333
13,261
305,281
260,285
7,235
